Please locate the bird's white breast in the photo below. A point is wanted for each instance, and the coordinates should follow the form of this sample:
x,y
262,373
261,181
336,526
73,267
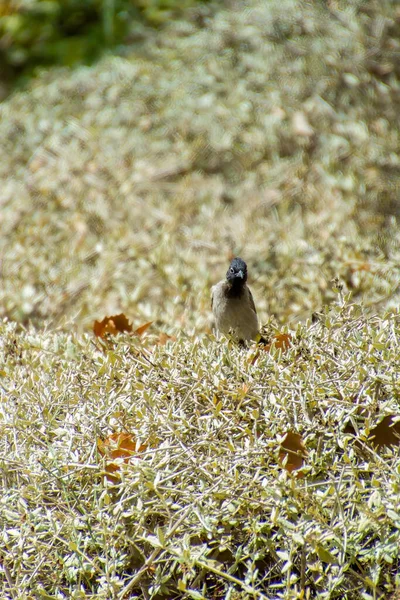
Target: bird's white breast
x,y
234,315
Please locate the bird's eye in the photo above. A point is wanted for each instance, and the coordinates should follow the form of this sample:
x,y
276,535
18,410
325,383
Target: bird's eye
x,y
232,270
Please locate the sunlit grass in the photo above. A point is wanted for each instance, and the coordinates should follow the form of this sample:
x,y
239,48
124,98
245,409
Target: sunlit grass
x,y
126,188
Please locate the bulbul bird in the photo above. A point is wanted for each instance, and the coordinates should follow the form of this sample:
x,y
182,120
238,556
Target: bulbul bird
x,y
233,305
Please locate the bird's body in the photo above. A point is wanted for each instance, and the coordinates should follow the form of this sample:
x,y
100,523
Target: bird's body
x,y
233,305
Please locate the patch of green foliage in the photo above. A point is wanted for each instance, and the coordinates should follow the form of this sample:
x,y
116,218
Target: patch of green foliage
x,y
69,32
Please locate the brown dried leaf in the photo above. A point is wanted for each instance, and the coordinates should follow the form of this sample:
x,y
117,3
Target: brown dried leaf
x,y
294,449
112,325
140,330
281,341
118,445
386,433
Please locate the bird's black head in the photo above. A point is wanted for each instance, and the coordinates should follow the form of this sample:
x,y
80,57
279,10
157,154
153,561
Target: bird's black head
x,y
237,272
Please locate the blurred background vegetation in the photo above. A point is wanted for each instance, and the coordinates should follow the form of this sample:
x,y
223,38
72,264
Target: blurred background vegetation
x,y
36,33
266,129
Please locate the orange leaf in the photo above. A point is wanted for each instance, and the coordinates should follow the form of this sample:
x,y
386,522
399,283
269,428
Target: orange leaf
x,y
294,449
140,330
282,341
110,469
118,445
112,325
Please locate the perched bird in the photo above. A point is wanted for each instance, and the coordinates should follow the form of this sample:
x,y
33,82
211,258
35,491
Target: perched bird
x,y
233,305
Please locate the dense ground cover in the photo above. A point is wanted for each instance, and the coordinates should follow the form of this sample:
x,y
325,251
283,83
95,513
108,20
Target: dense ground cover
x,y
265,132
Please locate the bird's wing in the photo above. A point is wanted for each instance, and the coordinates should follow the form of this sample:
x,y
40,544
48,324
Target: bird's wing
x,y
216,291
253,306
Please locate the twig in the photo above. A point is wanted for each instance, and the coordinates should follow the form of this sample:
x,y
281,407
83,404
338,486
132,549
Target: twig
x,y
231,578
303,570
10,581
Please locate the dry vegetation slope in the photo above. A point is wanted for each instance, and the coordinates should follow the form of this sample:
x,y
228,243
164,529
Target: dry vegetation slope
x,y
265,132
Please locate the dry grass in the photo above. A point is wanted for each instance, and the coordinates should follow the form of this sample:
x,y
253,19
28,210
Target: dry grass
x,y
206,511
264,132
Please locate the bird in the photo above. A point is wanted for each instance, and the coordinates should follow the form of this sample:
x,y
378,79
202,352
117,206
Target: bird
x,y
233,305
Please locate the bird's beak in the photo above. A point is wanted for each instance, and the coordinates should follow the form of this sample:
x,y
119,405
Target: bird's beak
x,y
240,274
